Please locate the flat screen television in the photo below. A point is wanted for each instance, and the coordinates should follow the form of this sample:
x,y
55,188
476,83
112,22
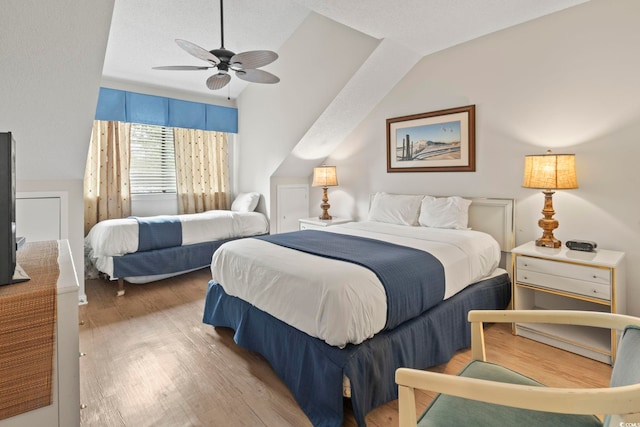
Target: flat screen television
x,y
7,208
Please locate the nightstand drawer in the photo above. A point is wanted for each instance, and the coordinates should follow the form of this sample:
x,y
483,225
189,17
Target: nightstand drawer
x,y
565,284
596,275
304,226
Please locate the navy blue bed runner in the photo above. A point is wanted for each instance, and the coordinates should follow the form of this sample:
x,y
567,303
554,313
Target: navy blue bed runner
x,y
166,260
413,279
158,232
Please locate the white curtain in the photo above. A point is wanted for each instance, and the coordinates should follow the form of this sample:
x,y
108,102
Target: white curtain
x,y
202,170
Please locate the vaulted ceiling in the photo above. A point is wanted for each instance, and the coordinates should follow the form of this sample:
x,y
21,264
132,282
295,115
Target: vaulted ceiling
x,y
143,31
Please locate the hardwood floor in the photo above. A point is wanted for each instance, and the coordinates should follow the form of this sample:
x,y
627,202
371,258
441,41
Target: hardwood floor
x,y
150,361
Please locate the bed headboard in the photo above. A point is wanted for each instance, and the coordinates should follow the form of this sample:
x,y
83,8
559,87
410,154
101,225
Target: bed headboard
x,y
492,216
495,217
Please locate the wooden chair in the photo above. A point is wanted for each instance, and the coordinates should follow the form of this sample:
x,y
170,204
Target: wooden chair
x,y
486,394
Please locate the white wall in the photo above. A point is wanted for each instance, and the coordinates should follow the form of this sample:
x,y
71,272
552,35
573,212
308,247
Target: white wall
x,y
314,65
567,81
74,191
214,98
51,61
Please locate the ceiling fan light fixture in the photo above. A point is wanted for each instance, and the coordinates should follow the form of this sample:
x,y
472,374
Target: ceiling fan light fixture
x,y
218,81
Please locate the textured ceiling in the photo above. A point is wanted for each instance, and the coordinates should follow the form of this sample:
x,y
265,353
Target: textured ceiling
x,y
143,31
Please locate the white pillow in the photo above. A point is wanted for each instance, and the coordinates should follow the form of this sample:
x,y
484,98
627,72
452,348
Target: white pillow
x,y
395,208
245,202
444,212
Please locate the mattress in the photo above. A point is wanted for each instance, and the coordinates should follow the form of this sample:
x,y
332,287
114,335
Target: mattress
x,y
340,302
117,238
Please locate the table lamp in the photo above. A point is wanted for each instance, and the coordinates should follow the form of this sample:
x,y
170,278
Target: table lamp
x,y
325,176
549,172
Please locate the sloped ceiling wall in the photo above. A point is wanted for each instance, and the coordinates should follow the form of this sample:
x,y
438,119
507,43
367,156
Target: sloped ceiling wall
x,y
51,56
332,77
314,65
386,65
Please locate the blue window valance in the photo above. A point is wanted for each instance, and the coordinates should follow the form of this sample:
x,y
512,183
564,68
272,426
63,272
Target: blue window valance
x,y
123,106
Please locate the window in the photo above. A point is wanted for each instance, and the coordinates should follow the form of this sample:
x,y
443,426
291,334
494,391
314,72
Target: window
x,y
153,166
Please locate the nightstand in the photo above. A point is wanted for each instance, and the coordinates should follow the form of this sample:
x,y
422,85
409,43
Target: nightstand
x,y
315,222
563,279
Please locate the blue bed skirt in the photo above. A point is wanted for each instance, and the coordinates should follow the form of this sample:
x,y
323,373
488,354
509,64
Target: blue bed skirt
x,y
313,370
167,260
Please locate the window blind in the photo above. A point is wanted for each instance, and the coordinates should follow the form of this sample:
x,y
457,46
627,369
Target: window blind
x,y
153,167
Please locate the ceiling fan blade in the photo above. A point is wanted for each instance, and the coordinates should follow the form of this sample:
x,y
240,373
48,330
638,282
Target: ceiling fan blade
x,y
252,59
218,81
257,76
197,51
181,67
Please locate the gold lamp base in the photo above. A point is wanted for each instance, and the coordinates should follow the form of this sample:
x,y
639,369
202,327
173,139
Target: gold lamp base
x,y
548,224
548,242
325,205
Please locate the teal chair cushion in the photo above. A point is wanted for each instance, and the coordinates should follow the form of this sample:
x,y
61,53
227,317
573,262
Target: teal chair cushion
x,y
626,369
447,411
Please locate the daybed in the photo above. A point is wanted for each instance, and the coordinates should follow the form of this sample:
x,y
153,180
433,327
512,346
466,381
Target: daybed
x,y
144,249
331,328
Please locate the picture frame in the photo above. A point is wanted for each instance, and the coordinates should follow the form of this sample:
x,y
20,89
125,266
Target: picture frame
x,y
438,141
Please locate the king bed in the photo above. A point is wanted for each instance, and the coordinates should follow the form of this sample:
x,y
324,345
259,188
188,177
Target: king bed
x,y
336,311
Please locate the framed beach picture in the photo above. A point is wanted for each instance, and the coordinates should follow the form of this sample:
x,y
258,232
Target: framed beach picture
x,y
439,141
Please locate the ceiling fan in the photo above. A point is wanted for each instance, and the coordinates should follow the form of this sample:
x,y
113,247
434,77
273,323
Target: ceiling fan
x,y
244,64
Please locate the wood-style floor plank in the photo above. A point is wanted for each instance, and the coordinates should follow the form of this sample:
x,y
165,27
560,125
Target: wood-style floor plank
x,y
150,361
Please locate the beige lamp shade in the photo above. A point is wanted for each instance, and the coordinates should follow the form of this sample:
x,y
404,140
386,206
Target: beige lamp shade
x,y
550,171
325,176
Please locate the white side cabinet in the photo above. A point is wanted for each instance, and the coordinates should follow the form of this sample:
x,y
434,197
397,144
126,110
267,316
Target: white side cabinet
x,y
65,408
316,223
42,216
563,279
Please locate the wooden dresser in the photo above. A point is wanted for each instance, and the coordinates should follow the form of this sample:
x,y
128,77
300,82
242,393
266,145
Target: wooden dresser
x,y
39,260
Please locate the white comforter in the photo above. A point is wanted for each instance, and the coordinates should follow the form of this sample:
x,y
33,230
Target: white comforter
x,y
341,302
115,237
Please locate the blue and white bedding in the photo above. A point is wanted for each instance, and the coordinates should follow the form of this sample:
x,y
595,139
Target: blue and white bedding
x,y
314,371
413,280
158,232
118,237
343,302
115,237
